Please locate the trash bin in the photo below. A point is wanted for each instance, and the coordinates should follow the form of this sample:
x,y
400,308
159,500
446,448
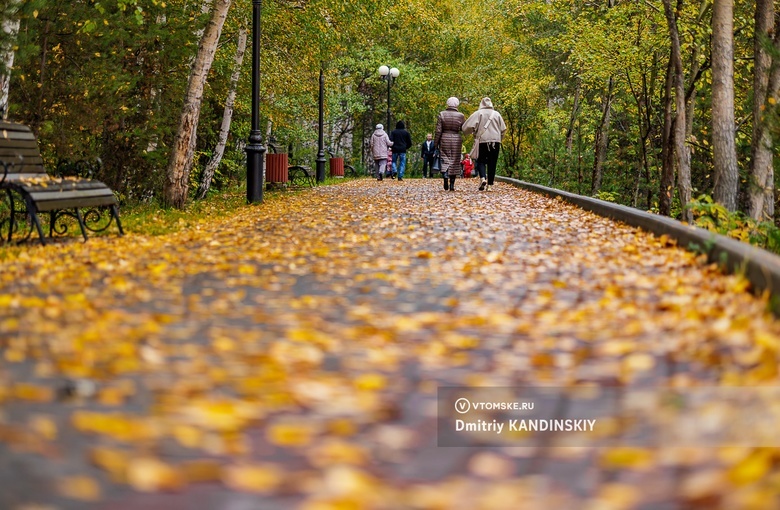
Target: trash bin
x,y
276,169
336,167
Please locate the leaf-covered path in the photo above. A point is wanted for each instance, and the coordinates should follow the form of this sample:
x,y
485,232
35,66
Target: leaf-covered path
x,y
290,356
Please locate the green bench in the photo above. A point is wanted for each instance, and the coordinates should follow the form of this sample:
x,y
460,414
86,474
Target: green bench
x,y
30,190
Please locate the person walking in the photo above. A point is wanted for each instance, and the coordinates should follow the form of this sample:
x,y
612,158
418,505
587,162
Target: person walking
x,y
449,141
402,141
488,127
426,155
468,165
390,165
379,144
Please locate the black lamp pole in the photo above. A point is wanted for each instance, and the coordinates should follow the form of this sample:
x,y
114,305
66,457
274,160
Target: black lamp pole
x,y
321,141
255,150
389,81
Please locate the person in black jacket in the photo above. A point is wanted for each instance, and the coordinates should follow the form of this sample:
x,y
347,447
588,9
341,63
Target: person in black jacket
x,y
401,142
427,150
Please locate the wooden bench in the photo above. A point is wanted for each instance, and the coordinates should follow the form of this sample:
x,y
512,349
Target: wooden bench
x,y
30,190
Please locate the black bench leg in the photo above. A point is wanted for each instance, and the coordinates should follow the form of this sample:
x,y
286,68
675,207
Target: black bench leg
x,y
115,214
37,223
81,224
12,220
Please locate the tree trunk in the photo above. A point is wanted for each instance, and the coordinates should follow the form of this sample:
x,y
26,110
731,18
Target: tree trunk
x,y
574,110
580,176
773,93
227,117
180,164
602,140
761,186
723,139
682,156
690,96
38,117
10,30
667,147
643,118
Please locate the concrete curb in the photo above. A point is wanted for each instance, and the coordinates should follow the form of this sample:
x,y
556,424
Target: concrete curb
x,y
760,267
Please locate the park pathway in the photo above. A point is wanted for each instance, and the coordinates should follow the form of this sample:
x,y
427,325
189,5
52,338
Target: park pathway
x,y
289,357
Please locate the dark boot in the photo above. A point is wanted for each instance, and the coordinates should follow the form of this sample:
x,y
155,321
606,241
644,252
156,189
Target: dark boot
x,y
452,183
446,184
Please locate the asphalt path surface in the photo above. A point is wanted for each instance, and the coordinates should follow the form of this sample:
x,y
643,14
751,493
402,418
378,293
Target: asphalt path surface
x,y
297,349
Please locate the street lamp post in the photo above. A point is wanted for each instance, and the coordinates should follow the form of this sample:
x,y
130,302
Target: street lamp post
x,y
255,150
389,75
321,141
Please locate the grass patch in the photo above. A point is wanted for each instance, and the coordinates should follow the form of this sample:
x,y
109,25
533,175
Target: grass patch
x,y
153,219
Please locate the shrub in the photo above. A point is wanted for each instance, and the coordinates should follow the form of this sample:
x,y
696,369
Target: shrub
x,y
714,217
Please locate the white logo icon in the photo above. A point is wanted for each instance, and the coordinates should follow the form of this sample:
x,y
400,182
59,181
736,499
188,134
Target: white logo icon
x,y
462,405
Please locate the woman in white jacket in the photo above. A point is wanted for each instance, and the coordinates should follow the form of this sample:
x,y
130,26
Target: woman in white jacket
x,y
379,144
488,127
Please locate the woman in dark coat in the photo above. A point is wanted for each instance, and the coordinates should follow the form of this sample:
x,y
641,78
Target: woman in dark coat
x,y
449,141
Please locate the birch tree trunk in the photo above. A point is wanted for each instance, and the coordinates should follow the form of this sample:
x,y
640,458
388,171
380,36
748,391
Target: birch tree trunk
x,y
761,188
682,156
227,117
723,138
180,164
10,30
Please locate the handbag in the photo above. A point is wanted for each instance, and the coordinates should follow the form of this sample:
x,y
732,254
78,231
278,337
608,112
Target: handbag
x,y
436,166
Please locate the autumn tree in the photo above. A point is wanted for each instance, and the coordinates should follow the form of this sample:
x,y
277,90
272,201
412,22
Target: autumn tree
x,y
723,142
180,164
766,81
9,30
681,153
227,117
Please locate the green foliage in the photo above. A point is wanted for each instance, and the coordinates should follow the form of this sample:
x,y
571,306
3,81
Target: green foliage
x,y
609,196
716,218
107,79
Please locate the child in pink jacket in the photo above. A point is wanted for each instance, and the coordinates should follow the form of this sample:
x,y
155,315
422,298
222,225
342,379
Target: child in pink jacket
x,y
390,165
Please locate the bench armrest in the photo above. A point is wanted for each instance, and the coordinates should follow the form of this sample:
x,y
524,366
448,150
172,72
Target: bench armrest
x,y
4,166
80,168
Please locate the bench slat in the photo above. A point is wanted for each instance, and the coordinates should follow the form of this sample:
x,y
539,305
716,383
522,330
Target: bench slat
x,y
16,178
57,200
55,187
24,169
12,148
76,203
16,134
19,147
7,124
28,156
56,194
25,139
